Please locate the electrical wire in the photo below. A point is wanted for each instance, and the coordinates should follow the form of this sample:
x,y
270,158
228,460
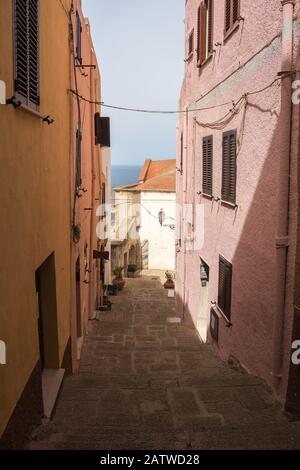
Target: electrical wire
x,y
192,110
64,7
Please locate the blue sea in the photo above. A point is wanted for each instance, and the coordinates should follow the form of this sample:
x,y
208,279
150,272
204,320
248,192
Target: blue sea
x,y
122,175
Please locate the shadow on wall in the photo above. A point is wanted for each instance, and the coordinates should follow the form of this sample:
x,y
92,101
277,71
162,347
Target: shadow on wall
x,y
255,270
258,261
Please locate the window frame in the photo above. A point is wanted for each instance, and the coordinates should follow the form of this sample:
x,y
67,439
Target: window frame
x,y
233,24
191,44
225,198
78,37
225,304
26,101
206,6
205,192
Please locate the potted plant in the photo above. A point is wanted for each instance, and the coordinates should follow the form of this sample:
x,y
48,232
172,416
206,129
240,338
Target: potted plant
x,y
119,281
132,269
107,306
169,284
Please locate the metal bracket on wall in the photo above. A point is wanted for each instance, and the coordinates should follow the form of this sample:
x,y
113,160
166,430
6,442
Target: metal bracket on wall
x,y
14,102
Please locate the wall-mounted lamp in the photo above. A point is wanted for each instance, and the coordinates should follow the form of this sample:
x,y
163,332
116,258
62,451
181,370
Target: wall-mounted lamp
x,y
161,217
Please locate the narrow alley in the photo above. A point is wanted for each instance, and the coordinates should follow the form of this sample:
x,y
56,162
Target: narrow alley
x,y
147,382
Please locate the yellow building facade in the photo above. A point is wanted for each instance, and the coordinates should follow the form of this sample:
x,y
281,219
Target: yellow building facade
x,y
35,210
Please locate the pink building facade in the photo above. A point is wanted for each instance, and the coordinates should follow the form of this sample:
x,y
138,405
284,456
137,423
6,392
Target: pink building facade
x,y
237,189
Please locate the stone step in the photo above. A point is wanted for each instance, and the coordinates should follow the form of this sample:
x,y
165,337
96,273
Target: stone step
x,y
283,436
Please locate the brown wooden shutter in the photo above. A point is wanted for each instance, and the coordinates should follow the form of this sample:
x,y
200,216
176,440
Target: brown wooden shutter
x,y
236,10
26,51
225,286
78,38
232,13
33,50
210,26
229,169
191,43
203,14
21,62
228,21
198,34
208,165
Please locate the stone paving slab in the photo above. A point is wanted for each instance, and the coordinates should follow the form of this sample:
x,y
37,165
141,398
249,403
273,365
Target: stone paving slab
x,y
146,383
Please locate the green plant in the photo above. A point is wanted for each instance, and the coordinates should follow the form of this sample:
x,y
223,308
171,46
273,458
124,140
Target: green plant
x,y
132,268
118,272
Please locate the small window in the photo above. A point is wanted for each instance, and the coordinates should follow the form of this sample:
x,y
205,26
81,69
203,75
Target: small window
x,y
26,52
103,195
232,15
207,165
225,286
191,43
78,38
229,170
204,31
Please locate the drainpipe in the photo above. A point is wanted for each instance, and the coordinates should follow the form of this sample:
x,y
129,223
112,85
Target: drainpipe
x,y
186,134
282,239
93,178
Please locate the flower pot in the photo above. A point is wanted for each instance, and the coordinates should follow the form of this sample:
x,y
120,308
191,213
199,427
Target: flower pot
x,y
120,283
169,284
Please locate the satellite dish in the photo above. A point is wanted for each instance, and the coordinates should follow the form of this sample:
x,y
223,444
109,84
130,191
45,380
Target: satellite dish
x,y
2,92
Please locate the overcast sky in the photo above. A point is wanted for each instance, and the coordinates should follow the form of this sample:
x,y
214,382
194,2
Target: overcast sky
x,y
139,44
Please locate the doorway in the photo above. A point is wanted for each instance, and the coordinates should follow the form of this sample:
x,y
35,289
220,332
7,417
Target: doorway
x,y
125,264
45,282
203,312
78,299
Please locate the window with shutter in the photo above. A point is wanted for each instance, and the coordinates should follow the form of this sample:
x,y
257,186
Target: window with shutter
x,y
191,43
207,176
181,153
26,52
78,38
232,15
229,170
78,157
225,287
204,31
103,195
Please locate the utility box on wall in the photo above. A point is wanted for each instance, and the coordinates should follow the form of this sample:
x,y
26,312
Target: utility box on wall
x,y
102,130
2,92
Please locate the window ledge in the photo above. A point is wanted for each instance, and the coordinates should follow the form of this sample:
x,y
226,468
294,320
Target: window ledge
x,y
229,204
229,33
207,196
206,61
189,57
222,315
32,111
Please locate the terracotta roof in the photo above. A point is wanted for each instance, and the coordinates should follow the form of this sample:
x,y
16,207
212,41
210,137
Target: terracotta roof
x,y
156,175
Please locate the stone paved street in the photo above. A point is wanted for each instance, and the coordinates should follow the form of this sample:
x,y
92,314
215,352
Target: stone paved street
x,y
147,383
